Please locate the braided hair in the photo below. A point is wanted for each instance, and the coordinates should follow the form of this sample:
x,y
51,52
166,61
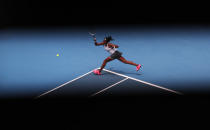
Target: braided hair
x,y
108,38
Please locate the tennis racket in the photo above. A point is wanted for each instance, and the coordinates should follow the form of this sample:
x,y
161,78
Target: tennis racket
x,y
92,34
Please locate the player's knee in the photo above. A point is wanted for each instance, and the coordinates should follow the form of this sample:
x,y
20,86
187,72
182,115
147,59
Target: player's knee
x,y
105,61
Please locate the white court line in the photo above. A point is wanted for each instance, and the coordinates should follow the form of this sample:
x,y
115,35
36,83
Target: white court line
x,y
157,86
63,84
126,77
108,87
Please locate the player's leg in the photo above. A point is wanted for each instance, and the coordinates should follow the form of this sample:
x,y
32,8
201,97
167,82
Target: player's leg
x,y
122,59
108,59
98,72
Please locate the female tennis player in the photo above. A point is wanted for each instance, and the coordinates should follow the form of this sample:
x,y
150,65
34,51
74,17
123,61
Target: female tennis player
x,y
115,54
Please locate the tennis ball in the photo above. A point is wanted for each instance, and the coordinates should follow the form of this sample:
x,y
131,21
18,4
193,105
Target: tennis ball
x,y
57,55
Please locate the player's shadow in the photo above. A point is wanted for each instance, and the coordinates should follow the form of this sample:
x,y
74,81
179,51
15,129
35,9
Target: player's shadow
x,y
123,72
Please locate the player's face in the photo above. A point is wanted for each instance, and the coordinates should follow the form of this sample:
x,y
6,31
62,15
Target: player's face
x,y
105,40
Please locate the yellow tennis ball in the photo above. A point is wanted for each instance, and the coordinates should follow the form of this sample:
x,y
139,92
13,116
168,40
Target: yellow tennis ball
x,y
57,55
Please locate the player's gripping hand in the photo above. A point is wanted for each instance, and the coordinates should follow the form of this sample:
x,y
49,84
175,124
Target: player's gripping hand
x,y
94,39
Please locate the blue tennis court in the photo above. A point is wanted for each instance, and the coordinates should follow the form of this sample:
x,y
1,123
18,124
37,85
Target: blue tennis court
x,y
175,61
108,84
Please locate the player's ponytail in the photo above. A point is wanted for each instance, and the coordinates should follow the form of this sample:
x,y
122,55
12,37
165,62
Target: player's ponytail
x,y
108,38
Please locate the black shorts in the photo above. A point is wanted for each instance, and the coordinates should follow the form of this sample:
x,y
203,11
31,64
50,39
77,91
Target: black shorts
x,y
116,55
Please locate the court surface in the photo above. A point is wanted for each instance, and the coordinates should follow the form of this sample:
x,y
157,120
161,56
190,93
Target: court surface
x,y
173,58
109,83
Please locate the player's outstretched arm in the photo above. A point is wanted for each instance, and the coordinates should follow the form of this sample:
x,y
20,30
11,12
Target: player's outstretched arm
x,y
98,44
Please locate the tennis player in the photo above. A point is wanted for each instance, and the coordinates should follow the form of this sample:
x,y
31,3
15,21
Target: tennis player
x,y
115,54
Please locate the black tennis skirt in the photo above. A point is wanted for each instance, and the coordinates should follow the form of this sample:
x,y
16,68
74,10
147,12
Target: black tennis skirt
x,y
116,55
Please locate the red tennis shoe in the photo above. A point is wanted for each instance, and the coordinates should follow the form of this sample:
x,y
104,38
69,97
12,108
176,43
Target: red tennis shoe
x,y
138,67
97,72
